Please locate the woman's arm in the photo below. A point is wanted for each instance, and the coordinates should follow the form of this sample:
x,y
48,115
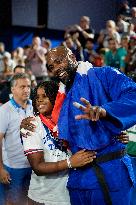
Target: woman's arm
x,y
40,167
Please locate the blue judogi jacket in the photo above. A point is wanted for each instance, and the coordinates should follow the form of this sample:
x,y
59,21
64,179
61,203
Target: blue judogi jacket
x,y
116,93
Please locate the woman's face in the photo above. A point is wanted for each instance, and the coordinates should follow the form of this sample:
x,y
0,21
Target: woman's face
x,y
43,103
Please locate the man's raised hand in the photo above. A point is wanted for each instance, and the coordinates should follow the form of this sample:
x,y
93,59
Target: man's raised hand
x,y
93,113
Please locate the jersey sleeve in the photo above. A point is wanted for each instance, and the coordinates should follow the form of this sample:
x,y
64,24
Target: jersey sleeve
x,y
33,143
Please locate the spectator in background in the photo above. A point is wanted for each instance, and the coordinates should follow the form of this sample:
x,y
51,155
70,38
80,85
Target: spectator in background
x,y
131,150
131,56
125,9
74,45
46,43
19,69
5,94
36,60
130,32
15,171
2,52
8,66
124,45
133,19
115,56
122,25
109,32
123,50
99,61
84,30
89,52
27,49
133,12
33,82
18,56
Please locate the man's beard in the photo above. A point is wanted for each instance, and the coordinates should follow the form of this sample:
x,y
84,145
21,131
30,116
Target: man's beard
x,y
71,71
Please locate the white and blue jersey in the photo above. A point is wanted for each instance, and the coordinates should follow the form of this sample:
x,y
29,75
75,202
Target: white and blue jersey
x,y
51,188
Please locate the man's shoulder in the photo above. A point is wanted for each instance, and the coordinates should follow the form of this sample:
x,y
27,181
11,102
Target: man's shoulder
x,y
106,69
102,69
105,73
5,107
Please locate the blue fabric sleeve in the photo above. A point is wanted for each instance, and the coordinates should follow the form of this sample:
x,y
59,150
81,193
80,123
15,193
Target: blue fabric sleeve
x,y
121,108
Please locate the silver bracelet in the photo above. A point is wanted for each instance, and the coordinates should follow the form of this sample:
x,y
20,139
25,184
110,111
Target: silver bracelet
x,y
69,163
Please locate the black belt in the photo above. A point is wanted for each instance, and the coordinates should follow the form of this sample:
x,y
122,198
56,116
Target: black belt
x,y
100,175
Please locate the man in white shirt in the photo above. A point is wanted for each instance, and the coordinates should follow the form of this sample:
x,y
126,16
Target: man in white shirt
x,y
15,170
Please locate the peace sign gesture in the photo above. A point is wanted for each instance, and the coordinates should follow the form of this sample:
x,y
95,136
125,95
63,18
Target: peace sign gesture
x,y
93,113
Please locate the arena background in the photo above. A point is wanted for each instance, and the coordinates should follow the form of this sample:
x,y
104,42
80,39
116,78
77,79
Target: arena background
x,y
21,19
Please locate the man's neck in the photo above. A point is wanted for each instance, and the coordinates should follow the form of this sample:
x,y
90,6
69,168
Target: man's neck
x,y
22,103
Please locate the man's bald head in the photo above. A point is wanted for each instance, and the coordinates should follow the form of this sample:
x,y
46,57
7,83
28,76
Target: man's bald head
x,y
59,51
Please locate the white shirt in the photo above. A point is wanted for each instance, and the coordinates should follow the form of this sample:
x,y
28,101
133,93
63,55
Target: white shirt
x,y
10,120
51,188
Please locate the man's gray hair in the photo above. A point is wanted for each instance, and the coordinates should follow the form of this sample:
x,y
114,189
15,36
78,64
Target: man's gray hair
x,y
18,76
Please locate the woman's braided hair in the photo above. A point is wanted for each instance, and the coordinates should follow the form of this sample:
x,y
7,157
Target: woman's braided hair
x,y
51,89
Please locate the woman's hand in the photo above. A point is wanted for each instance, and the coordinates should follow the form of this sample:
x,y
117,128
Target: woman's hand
x,y
27,125
82,158
123,137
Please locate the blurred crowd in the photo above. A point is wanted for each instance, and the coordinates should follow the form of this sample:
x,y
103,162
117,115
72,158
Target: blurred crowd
x,y
114,45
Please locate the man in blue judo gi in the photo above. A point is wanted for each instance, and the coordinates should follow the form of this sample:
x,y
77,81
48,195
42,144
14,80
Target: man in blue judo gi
x,y
108,100
99,104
